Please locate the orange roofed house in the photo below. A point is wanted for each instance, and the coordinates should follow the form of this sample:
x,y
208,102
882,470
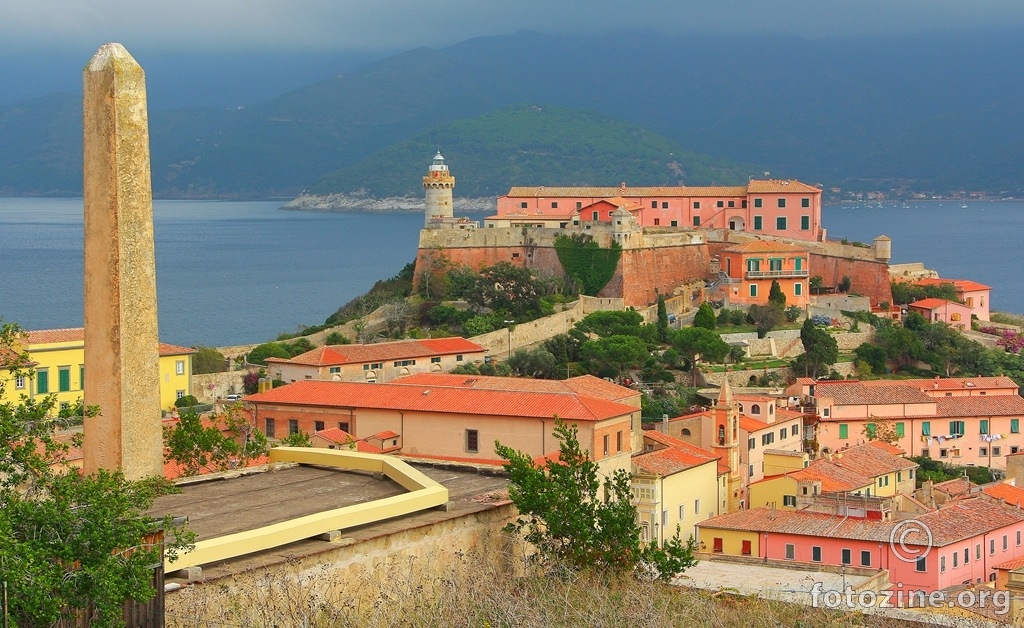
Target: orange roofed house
x,y
783,208
459,417
752,267
380,362
973,294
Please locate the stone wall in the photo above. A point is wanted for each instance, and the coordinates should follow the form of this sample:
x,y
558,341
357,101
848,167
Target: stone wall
x,y
499,342
355,576
208,387
741,377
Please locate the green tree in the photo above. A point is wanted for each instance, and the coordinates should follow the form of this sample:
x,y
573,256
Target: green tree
x,y
765,317
295,439
697,343
337,338
567,518
607,323
816,283
616,353
662,319
506,288
873,355
208,360
776,297
820,350
186,401
70,541
217,444
536,363
260,353
705,316
844,284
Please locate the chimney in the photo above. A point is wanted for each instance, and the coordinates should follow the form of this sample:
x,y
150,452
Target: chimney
x,y
664,424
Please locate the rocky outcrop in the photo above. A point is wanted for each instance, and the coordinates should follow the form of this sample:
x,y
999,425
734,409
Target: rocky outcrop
x,y
366,203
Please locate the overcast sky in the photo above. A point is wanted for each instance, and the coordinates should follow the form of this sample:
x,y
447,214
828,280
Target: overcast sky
x,y
322,25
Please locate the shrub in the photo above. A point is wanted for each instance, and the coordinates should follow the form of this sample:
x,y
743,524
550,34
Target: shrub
x,y
186,402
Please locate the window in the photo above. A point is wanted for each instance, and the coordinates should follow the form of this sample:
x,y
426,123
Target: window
x,y
458,358
696,221
732,203
757,223
780,223
805,202
19,381
922,564
594,215
696,204
782,203
720,204
554,204
943,453
847,556
977,551
774,264
751,443
870,430
798,289
942,563
618,440
696,506
654,204
1015,426
269,427
991,546
750,471
664,518
984,426
997,451
179,367
64,378
674,223
956,559
435,360
789,500
293,426
43,381
753,289
967,555
790,551
318,426
522,205
782,434
1018,537
178,394
657,222
805,223
900,429
1006,544
337,369
472,441
664,204
768,439
956,428
983,451
745,548
798,263
844,430
682,510
405,362
605,441
816,553
865,558
757,202
343,426
926,428
794,430
925,454
578,206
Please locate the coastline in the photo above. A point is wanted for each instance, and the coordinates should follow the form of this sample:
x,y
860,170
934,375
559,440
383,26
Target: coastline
x,y
390,204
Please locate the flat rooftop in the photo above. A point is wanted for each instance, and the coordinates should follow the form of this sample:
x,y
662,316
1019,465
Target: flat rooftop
x,y
224,506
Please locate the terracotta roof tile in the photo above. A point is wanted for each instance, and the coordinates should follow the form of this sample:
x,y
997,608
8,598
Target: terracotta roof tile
x,y
396,396
765,246
1010,565
769,186
834,478
979,406
628,192
871,461
1009,493
954,522
77,334
962,285
490,462
748,424
955,487
670,460
931,303
584,384
860,393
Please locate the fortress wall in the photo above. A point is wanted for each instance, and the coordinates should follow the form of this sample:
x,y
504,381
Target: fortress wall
x,y
869,278
645,273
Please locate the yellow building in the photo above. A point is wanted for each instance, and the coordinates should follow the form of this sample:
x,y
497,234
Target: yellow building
x,y
57,366
675,485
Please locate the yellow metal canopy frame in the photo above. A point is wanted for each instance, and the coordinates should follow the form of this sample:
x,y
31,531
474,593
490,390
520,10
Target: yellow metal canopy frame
x,y
423,493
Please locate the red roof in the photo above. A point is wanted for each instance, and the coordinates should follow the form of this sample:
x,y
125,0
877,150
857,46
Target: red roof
x,y
174,470
585,384
748,424
336,355
932,303
491,462
979,406
395,396
671,460
1010,565
1007,492
77,334
961,285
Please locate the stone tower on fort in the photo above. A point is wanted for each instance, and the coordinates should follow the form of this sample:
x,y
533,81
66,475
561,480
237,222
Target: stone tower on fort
x,y
438,185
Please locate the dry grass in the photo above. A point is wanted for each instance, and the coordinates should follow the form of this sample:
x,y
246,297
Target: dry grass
x,y
468,597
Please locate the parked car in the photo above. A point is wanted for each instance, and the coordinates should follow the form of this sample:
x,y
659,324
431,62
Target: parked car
x,y
233,397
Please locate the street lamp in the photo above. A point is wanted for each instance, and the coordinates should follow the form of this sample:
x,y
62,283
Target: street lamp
x,y
508,326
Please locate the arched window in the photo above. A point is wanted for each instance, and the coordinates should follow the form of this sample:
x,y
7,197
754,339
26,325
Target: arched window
x,y
755,409
721,434
686,431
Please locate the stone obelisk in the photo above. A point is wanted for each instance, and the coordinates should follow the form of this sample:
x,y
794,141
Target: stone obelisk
x,y
122,373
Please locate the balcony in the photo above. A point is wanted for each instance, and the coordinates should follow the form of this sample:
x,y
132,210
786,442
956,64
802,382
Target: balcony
x,y
775,274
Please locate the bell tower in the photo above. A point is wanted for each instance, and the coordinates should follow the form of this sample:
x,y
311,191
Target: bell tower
x,y
726,424
438,185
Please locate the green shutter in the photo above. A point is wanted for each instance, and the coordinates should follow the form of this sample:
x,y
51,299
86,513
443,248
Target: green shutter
x,y
870,429
805,222
1014,426
757,221
984,426
64,379
844,430
42,382
926,428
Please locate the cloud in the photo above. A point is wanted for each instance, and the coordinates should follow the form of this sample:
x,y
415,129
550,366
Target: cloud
x,y
399,24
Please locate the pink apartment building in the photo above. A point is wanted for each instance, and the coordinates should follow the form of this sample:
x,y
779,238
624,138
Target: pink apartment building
x,y
969,538
956,315
974,295
962,421
785,208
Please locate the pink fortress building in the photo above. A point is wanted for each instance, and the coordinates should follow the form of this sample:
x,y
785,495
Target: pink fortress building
x,y
784,208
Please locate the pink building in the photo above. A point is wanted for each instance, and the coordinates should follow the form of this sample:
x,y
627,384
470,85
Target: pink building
x,y
969,538
956,315
973,294
961,421
785,208
752,267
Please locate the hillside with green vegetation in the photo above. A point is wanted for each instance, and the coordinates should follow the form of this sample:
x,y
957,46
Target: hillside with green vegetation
x,y
533,145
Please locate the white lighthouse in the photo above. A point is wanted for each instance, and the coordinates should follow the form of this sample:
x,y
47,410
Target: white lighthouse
x,y
438,185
